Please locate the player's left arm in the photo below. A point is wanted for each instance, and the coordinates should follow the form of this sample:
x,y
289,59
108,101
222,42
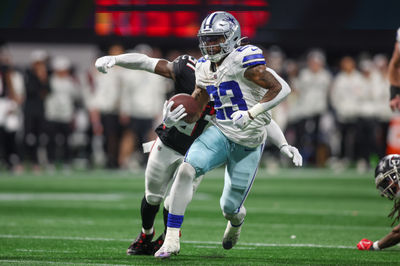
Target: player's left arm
x,y
276,137
389,240
277,88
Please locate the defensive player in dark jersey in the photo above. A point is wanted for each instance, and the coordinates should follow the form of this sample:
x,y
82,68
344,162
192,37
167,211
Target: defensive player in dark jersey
x,y
174,139
387,175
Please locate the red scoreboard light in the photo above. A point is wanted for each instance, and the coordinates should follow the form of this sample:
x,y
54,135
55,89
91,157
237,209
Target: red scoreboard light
x,y
163,18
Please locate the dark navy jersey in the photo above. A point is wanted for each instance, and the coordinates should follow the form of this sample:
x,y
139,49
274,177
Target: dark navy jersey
x,y
180,138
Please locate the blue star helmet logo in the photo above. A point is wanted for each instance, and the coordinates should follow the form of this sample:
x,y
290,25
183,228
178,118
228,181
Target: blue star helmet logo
x,y
229,19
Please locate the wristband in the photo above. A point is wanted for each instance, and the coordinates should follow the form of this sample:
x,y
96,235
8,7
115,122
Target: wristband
x,y
375,246
283,145
394,90
256,110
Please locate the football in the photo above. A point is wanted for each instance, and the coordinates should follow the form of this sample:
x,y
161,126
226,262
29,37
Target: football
x,y
190,104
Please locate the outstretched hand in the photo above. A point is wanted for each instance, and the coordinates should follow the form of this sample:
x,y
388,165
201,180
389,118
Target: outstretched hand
x,y
104,63
365,244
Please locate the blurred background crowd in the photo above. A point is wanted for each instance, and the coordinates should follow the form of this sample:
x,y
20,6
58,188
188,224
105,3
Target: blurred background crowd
x,y
58,112
54,114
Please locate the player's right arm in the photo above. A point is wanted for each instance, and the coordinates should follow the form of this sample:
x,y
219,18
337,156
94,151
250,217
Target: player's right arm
x,y
136,61
202,97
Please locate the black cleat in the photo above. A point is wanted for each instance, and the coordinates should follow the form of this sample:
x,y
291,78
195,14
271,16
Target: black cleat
x,y
158,243
142,245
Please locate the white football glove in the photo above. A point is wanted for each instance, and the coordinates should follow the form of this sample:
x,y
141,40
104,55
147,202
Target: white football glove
x,y
171,118
241,119
292,153
104,63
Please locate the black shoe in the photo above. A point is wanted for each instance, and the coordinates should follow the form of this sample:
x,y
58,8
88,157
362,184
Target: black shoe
x,y
142,245
158,243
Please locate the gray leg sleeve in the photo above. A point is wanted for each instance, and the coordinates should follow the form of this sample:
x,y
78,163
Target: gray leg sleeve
x,y
182,189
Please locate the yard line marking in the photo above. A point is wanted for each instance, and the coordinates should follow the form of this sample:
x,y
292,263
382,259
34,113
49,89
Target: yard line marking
x,y
42,250
271,245
186,242
214,247
293,227
64,238
303,211
62,196
57,262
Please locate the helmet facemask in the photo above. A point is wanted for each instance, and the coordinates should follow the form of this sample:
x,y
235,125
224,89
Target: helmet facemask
x,y
213,46
388,183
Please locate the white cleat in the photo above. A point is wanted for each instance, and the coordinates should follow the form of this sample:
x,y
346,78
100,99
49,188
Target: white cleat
x,y
231,235
171,245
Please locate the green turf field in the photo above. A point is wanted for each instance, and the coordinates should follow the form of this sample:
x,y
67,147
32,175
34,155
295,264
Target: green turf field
x,y
297,217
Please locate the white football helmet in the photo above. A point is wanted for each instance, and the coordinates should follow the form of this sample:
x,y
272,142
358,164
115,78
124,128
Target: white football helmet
x,y
387,174
216,27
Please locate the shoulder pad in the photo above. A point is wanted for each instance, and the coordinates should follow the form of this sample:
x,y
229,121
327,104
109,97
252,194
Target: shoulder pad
x,y
184,67
183,61
250,55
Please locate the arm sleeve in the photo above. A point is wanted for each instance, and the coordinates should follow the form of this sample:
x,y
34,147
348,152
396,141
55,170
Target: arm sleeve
x,y
137,61
262,107
275,134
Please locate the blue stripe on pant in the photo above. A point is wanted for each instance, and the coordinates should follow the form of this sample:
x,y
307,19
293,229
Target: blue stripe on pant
x,y
213,149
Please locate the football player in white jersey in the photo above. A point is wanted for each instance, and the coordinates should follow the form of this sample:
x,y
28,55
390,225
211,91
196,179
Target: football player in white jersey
x,y
243,90
173,141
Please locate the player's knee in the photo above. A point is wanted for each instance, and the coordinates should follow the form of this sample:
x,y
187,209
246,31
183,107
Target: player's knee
x,y
153,199
186,172
198,163
167,202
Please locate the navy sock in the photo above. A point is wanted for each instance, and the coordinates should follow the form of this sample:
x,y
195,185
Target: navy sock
x,y
165,215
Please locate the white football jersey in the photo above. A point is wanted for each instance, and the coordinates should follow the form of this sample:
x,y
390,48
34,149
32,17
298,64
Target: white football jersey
x,y
231,91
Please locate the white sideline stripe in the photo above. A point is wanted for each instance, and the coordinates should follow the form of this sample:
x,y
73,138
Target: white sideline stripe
x,y
57,262
186,242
